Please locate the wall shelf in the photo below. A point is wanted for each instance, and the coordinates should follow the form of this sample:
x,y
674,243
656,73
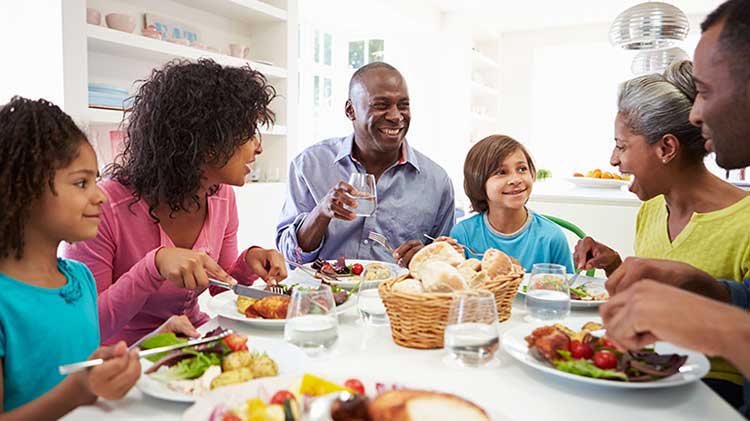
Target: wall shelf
x,y
119,43
249,11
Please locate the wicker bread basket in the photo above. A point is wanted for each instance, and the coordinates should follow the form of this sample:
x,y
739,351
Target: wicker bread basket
x,y
418,320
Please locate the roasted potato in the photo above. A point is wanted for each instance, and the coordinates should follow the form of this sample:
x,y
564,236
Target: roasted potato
x,y
244,302
226,378
237,360
592,326
264,366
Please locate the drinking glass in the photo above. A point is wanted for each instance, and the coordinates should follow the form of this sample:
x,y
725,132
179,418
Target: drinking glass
x,y
370,306
311,322
471,337
365,195
547,293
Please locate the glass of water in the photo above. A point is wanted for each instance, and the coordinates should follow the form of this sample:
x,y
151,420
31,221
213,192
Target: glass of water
x,y
370,306
311,322
365,195
547,293
471,337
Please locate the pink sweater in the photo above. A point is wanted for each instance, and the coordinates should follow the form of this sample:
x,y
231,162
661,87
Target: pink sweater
x,y
133,297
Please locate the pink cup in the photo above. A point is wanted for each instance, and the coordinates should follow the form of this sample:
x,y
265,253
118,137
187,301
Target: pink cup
x,y
120,21
93,16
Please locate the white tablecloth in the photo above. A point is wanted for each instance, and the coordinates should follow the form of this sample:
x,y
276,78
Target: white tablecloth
x,y
516,391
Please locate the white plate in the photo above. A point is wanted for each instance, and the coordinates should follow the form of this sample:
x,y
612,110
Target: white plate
x,y
225,305
597,183
349,282
694,369
236,395
580,281
289,358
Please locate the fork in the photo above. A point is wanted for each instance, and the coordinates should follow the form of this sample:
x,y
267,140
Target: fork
x,y
380,239
471,250
573,280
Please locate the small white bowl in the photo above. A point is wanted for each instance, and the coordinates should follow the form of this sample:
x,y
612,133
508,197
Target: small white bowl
x,y
120,22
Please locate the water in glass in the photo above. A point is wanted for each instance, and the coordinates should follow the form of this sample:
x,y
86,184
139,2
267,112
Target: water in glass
x,y
547,293
366,195
371,307
311,322
471,337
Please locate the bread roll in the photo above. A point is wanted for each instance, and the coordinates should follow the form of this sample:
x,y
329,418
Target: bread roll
x,y
439,276
409,286
473,264
437,251
477,279
495,262
417,405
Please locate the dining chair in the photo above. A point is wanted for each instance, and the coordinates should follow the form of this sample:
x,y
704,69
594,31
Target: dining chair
x,y
572,228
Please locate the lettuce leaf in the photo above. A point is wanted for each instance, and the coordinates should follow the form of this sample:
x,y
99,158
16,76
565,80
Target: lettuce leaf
x,y
588,369
189,368
156,341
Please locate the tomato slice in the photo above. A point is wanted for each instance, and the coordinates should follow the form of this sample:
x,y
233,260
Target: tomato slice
x,y
236,342
355,385
281,396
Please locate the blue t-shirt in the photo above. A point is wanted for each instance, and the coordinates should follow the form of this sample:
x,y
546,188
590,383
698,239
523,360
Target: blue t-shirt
x,y
538,241
43,328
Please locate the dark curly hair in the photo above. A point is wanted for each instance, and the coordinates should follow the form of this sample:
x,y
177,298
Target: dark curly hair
x,y
36,139
185,115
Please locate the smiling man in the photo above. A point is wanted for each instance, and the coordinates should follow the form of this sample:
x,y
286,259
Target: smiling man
x,y
414,194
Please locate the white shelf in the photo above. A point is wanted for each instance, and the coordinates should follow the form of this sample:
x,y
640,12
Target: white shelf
x,y
250,11
479,89
98,116
481,61
119,43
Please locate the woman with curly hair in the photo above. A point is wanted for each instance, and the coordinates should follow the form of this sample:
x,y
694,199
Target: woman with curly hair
x,y
171,213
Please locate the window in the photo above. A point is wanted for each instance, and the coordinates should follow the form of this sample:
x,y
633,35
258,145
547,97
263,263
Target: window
x,y
363,52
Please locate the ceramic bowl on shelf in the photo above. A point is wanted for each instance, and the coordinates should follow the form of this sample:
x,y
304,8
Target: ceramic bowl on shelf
x,y
121,22
151,32
238,50
93,16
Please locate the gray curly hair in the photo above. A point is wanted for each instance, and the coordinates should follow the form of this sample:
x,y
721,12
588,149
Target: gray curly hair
x,y
659,104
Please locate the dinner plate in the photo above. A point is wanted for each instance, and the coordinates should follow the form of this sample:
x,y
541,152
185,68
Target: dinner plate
x,y
580,281
289,359
225,305
694,369
597,183
236,395
349,282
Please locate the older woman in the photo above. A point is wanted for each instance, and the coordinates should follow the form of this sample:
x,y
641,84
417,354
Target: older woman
x,y
171,219
688,214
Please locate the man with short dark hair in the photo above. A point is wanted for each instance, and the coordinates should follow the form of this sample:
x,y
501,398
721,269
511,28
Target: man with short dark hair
x,y
645,306
414,194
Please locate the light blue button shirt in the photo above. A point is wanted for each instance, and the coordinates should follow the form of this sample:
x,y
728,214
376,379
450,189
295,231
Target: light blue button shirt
x,y
415,197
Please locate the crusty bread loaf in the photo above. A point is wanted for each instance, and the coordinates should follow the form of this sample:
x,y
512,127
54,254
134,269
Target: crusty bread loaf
x,y
439,276
495,262
409,286
469,269
417,405
437,251
477,279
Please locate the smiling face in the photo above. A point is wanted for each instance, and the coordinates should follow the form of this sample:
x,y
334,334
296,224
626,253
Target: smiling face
x,y
722,106
633,155
510,186
72,213
379,110
238,167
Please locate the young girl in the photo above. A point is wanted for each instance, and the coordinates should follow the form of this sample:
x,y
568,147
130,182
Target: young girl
x,y
171,215
498,177
48,313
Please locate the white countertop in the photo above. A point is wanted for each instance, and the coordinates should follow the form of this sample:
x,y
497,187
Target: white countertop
x,y
518,392
561,191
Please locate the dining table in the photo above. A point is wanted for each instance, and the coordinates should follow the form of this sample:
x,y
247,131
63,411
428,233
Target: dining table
x,y
508,389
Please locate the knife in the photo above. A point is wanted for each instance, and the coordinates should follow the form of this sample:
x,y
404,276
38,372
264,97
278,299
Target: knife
x,y
72,368
243,290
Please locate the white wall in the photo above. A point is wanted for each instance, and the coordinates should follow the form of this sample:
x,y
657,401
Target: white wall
x,y
558,93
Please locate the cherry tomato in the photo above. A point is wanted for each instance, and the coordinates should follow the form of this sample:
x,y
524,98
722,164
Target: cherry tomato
x,y
355,385
607,344
281,396
605,360
236,342
357,268
580,350
231,417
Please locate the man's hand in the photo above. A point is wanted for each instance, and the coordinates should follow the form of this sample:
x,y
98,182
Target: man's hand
x,y
683,275
649,311
406,251
590,254
332,205
267,263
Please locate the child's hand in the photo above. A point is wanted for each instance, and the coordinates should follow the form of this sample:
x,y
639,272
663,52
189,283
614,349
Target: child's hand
x,y
118,374
590,254
452,242
189,269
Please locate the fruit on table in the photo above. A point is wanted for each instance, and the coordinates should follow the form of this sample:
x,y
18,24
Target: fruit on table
x,y
606,175
316,386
